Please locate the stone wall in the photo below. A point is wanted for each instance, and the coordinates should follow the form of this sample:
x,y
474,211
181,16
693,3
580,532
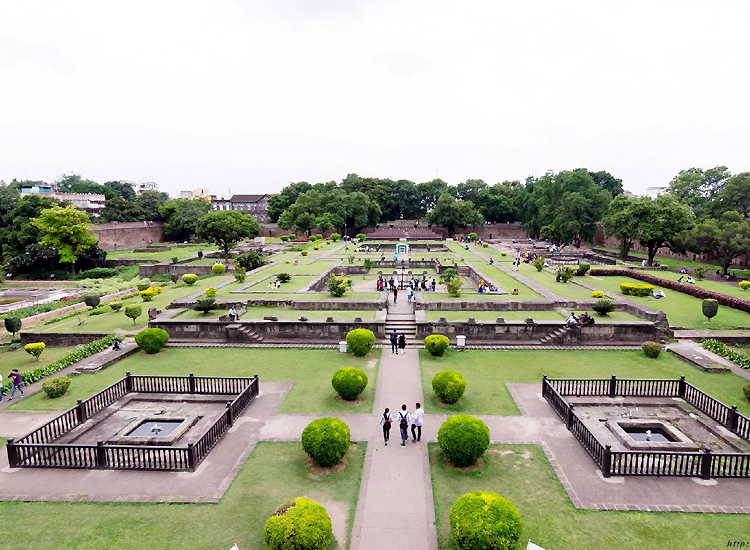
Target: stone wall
x,y
174,269
117,235
60,339
484,305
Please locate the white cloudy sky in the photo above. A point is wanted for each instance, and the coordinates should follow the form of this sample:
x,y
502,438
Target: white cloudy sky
x,y
249,95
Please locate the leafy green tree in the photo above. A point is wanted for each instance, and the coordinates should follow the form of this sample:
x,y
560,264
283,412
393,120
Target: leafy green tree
x,y
226,228
622,221
16,231
124,190
663,220
451,213
723,239
429,193
118,209
607,181
470,190
67,231
734,195
74,183
288,196
8,200
150,202
182,216
697,188
497,204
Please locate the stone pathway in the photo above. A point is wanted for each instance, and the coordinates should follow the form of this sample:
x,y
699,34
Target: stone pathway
x,y
693,353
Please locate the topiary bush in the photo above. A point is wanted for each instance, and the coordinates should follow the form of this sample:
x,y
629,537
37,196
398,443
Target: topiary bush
x,y
175,259
115,305
152,340
335,237
35,349
583,269
710,308
634,289
349,383
449,386
651,349
284,238
436,344
174,277
133,312
744,285
603,307
218,269
292,236
92,300
483,520
360,341
303,252
597,294
189,278
338,285
361,237
326,440
485,245
284,277
211,292
472,237
463,439
56,387
663,267
148,294
12,325
299,523
239,274
143,285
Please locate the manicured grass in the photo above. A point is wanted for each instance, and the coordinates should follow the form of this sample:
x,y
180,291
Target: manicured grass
x,y
310,370
3,442
522,474
283,312
181,252
274,473
546,277
487,372
614,316
19,359
545,315
666,260
278,295
297,282
732,289
682,310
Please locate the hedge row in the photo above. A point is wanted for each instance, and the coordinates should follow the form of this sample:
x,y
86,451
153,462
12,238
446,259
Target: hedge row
x,y
73,357
692,290
720,348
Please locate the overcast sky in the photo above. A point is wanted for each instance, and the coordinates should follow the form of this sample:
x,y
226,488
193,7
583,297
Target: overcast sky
x,y
249,95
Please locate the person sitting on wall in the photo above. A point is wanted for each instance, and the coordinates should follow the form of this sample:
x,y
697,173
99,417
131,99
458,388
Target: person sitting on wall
x,y
232,314
586,320
683,270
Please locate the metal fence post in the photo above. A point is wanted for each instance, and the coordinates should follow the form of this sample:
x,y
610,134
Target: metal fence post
x,y
607,466
571,414
612,385
101,455
706,464
80,411
544,385
733,419
681,388
12,453
229,413
128,382
191,383
192,458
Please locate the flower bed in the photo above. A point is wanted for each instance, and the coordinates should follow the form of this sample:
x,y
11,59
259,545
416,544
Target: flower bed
x,y
696,291
30,311
726,352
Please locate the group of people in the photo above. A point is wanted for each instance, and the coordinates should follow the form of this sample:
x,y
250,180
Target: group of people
x,y
404,419
273,285
398,343
15,378
585,320
684,279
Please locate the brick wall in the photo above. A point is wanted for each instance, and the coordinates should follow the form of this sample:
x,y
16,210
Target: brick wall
x,y
116,235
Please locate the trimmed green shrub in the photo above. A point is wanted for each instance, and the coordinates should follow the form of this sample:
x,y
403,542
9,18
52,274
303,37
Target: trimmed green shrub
x,y
211,292
292,236
97,273
218,269
316,248
361,237
472,237
12,325
349,383
360,341
303,252
746,391
449,386
15,346
597,294
603,307
463,439
115,305
335,237
485,245
636,289
239,274
284,238
744,285
326,440
174,277
152,340
663,267
189,278
148,294
249,260
538,263
284,277
448,275
454,287
318,236
92,300
483,520
200,254
700,273
583,269
143,284
205,304
133,312
710,308
651,349
338,285
503,253
298,524
436,344
56,387
175,259
35,349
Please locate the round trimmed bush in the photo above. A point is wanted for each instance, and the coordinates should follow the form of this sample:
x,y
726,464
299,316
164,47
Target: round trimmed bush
x,y
13,324
463,439
152,340
292,236
335,237
710,308
92,300
651,349
361,237
299,523
326,440
744,285
503,253
597,294
56,387
449,386
115,305
349,383
284,238
436,344
218,269
360,341
143,284
303,252
480,520
148,294
211,292
35,349
189,278
133,312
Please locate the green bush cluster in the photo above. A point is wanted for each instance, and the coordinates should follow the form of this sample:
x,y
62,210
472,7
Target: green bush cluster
x,y
326,440
349,383
133,312
35,349
298,524
30,311
567,273
436,344
205,304
115,305
449,386
651,349
700,272
189,278
218,269
284,277
746,391
92,300
463,439
152,340
292,236
239,274
473,236
56,387
583,269
663,267
250,260
103,287
145,284
480,520
81,352
303,252
361,237
636,289
720,348
454,287
284,238
744,285
360,341
538,263
338,285
603,307
98,273
148,294
335,237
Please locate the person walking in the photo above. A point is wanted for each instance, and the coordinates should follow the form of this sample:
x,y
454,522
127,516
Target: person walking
x,y
386,420
403,423
16,379
410,294
416,424
394,342
433,284
402,343
395,294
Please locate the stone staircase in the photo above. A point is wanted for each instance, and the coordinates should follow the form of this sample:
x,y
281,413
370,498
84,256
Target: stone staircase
x,y
249,334
400,318
561,336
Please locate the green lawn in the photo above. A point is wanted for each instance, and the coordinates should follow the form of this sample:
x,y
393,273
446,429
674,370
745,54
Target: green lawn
x,y
732,289
682,310
283,312
487,372
274,473
181,252
522,474
546,277
19,359
310,370
544,315
666,260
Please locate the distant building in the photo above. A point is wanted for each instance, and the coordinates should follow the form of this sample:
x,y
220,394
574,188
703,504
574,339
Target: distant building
x,y
91,203
654,192
141,187
201,193
255,205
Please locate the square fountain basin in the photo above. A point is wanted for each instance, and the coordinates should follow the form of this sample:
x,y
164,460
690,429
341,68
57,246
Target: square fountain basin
x,y
664,436
139,431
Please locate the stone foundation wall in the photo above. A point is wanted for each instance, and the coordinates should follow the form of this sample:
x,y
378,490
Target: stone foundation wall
x,y
484,305
60,339
176,269
117,236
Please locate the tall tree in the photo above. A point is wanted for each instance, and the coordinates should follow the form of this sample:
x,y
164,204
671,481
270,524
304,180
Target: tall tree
x,y
734,195
122,189
17,231
607,181
497,204
117,209
182,217
74,183
723,239
288,196
662,221
65,230
622,221
470,190
697,188
227,228
150,202
429,193
451,213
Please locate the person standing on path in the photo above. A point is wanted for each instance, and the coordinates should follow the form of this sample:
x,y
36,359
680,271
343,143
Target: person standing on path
x,y
416,424
16,379
395,294
403,423
433,284
386,420
402,343
394,342
410,294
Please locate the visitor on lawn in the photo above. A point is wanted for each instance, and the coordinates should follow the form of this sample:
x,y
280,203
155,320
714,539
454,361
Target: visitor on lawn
x,y
386,420
402,344
416,424
659,294
404,418
433,284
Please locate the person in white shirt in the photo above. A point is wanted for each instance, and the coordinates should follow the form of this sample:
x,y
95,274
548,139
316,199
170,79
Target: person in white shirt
x,y
404,418
416,424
